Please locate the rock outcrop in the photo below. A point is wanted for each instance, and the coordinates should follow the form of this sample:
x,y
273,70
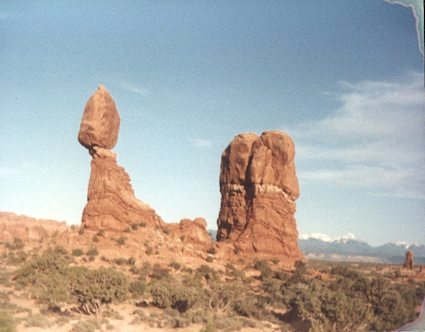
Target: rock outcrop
x,y
408,262
195,231
14,226
259,187
111,203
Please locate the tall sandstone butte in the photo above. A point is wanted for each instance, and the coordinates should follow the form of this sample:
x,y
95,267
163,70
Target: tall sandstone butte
x,y
111,203
259,187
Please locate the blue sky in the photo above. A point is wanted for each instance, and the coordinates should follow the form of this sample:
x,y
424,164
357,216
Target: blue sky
x,y
343,78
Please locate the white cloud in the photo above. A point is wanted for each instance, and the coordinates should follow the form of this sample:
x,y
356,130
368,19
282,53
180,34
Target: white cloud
x,y
201,143
375,139
134,88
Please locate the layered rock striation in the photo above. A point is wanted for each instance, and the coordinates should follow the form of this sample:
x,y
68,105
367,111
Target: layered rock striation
x,y
259,187
111,203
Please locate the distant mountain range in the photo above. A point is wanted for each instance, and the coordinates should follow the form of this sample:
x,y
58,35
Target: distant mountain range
x,y
348,248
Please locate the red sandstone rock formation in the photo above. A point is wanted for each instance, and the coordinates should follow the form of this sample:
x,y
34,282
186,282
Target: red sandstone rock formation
x,y
408,263
259,187
195,231
111,203
26,228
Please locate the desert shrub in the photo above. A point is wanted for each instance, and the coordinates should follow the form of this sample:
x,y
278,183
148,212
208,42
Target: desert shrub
x,y
92,252
52,281
101,233
46,275
93,288
145,270
149,250
348,302
211,250
120,261
220,297
142,224
81,231
61,250
137,287
135,227
95,238
207,272
170,294
159,272
131,260
175,265
77,252
16,244
16,257
248,306
128,229
121,240
264,267
7,324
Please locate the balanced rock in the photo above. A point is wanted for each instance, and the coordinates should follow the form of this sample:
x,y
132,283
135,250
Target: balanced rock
x,y
101,122
111,203
259,186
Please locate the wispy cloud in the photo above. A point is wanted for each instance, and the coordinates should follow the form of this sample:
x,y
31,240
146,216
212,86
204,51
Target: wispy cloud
x,y
134,88
201,143
375,139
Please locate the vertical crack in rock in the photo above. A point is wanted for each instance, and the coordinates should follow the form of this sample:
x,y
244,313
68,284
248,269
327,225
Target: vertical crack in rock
x,y
259,187
111,203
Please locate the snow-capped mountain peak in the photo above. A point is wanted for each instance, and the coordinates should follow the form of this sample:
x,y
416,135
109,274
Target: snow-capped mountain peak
x,y
402,244
326,238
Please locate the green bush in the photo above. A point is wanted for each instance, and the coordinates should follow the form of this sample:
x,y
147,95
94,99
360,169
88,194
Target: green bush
x,y
137,287
121,240
176,266
92,252
52,281
159,272
264,267
169,294
93,288
16,244
120,261
212,250
77,252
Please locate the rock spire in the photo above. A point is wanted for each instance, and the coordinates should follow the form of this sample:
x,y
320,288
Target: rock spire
x,y
259,187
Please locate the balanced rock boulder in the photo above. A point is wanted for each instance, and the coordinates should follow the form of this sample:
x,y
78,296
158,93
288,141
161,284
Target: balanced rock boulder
x,y
259,186
101,122
111,203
